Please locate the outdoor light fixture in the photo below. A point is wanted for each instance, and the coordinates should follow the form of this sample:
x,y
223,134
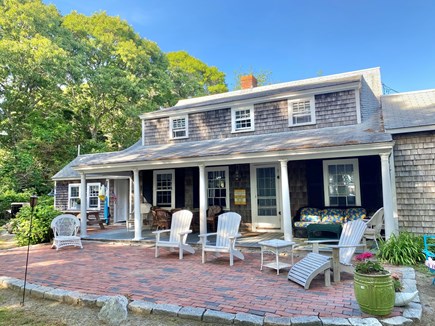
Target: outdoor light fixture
x,y
33,201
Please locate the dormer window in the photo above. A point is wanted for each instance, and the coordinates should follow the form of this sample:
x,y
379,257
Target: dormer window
x,y
179,127
242,118
301,112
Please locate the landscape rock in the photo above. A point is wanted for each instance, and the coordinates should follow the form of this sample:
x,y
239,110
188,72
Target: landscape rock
x,y
114,311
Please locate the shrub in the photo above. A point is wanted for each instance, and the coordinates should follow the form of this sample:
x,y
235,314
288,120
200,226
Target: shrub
x,y
404,249
9,196
43,214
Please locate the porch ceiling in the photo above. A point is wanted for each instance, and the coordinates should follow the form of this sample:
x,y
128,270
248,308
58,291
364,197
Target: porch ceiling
x,y
353,140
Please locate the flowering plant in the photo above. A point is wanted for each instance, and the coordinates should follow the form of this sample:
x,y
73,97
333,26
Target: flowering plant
x,y
366,266
398,286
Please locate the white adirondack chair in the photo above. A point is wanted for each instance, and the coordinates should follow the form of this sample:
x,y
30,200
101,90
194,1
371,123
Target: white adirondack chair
x,y
342,253
374,227
65,228
226,235
178,232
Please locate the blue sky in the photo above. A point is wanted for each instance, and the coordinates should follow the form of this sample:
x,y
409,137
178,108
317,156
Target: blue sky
x,y
291,39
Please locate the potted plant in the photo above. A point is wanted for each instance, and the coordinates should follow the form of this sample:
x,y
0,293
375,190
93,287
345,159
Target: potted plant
x,y
373,286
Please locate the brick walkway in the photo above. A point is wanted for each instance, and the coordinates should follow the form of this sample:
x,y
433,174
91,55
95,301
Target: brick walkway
x,y
107,268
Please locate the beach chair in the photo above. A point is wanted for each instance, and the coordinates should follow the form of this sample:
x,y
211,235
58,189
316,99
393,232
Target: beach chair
x,y
342,254
226,236
178,232
429,243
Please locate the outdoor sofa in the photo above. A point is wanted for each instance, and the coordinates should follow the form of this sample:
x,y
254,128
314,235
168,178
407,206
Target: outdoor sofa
x,y
324,223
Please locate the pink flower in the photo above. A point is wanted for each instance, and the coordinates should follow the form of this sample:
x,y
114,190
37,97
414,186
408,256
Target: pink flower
x,y
395,276
364,256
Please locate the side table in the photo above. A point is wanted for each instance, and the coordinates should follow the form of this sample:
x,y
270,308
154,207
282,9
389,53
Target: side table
x,y
275,246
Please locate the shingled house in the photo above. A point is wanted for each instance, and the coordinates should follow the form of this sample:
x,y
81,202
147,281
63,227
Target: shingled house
x,y
263,152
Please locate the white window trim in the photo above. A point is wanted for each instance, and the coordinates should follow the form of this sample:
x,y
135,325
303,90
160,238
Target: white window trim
x,y
355,164
233,118
155,173
71,185
312,111
227,181
88,186
171,119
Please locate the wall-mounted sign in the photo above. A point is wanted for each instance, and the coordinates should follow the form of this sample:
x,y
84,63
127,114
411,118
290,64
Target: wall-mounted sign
x,y
239,196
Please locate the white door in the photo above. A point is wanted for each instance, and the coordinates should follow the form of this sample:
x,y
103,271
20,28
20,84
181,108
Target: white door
x,y
266,211
121,204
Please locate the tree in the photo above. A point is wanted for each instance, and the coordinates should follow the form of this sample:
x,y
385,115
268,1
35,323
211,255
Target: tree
x,y
33,54
123,75
79,79
192,77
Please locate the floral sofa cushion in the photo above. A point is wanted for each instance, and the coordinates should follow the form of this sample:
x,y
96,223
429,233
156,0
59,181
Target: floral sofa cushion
x,y
333,215
311,215
353,214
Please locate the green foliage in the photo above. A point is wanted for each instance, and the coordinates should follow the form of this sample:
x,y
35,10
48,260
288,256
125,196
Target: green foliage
x,y
370,267
9,196
43,214
77,79
404,249
192,77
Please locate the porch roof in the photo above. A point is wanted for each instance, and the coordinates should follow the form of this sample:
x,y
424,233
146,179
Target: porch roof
x,y
408,112
283,145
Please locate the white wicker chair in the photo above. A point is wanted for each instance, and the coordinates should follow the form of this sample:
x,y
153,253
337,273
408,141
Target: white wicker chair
x,y
65,228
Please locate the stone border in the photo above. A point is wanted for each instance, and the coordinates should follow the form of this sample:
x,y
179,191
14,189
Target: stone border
x,y
411,314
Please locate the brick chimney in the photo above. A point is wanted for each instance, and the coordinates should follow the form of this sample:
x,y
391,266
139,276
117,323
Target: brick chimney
x,y
248,81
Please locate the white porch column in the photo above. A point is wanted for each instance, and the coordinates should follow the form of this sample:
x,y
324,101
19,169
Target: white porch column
x,y
137,215
285,193
394,192
202,201
387,196
83,206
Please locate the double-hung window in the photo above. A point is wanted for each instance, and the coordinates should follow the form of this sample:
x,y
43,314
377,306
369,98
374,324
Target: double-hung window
x,y
164,188
92,200
301,112
93,190
341,182
217,187
74,196
242,118
179,127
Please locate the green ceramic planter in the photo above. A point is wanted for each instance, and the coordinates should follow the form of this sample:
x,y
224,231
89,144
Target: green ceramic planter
x,y
374,293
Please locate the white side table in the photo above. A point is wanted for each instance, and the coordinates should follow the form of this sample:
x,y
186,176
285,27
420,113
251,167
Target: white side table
x,y
275,246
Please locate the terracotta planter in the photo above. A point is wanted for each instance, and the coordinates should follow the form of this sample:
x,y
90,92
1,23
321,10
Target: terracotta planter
x,y
374,293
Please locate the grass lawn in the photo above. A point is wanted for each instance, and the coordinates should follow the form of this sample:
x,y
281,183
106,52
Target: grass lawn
x,y
11,313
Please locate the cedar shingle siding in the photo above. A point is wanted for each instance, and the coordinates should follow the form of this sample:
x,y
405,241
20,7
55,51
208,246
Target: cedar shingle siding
x,y
332,110
414,156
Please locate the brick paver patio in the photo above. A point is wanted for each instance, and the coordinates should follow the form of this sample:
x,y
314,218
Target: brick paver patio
x,y
130,269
